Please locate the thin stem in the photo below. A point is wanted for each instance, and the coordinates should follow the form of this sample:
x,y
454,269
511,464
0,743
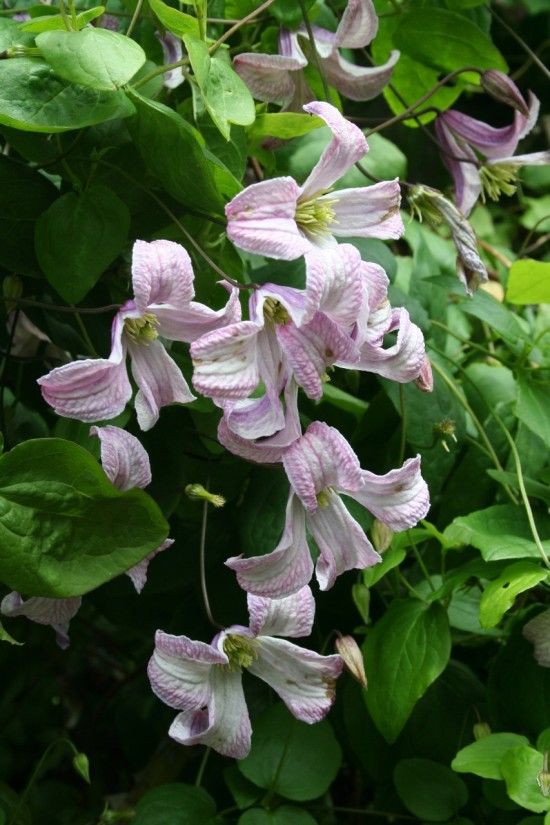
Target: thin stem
x,y
238,25
28,302
314,51
202,766
84,331
202,563
135,16
409,586
534,57
36,773
420,561
531,233
166,67
478,347
403,439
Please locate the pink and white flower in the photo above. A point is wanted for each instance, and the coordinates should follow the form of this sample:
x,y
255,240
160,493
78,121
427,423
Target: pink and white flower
x,y
204,681
96,389
320,466
280,219
172,49
278,78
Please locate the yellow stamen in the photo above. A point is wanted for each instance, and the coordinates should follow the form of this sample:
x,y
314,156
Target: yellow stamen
x,y
142,330
315,216
240,651
323,498
498,179
275,312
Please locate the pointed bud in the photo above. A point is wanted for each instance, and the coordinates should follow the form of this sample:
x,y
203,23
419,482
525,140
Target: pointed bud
x,y
503,89
12,287
349,650
381,535
82,766
425,379
197,492
481,730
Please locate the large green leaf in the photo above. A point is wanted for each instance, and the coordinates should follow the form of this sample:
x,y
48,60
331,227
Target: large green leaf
x,y
520,768
98,58
529,282
533,405
50,22
175,804
11,34
285,815
500,594
499,532
429,790
32,98
175,21
78,237
404,653
484,756
64,528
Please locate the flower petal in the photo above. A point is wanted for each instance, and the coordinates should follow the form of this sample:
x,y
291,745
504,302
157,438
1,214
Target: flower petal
x,y
190,322
226,361
465,175
160,382
347,146
55,612
269,76
367,212
179,670
304,680
399,498
537,631
173,52
162,273
334,283
341,541
402,361
320,459
291,616
286,569
123,458
224,725
358,25
359,82
138,573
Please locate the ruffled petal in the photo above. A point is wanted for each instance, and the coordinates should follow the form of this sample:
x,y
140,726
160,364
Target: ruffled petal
x,y
465,175
261,220
162,273
537,631
320,459
367,212
160,382
224,725
255,418
138,573
270,76
191,321
226,361
341,541
399,498
359,82
286,569
123,458
334,283
347,146
292,616
358,25
305,680
54,612
531,159
179,670
401,362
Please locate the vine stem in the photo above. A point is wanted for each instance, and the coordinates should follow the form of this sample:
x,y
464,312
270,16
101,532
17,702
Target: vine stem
x,y
202,564
135,17
534,57
315,53
28,302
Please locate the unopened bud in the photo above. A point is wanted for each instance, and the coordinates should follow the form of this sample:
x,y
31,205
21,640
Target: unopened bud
x,y
12,287
425,380
481,730
495,289
543,778
381,535
502,88
197,492
352,657
82,766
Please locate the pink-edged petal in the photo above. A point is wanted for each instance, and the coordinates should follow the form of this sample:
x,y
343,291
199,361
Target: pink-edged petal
x,y
293,300
270,76
399,498
162,273
54,612
402,361
292,616
341,541
367,212
325,41
255,418
160,382
313,347
531,159
347,146
224,725
261,220
537,631
172,49
123,458
138,573
304,680
334,283
358,25
286,569
465,174
190,322
375,315
320,459
359,82
179,670
225,361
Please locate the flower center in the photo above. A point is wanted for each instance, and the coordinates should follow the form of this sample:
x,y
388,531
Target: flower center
x,y
315,216
142,330
275,312
240,651
498,179
323,498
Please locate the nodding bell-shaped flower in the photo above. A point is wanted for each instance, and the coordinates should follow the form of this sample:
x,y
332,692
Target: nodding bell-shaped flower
x,y
481,157
204,681
97,389
320,466
278,78
280,219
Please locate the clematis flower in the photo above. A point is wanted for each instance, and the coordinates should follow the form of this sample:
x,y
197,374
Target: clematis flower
x,y
95,389
279,78
280,219
320,466
172,49
126,465
490,167
204,681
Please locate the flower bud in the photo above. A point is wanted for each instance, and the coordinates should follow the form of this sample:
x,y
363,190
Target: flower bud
x,y
352,657
196,492
495,289
481,730
82,766
543,778
425,380
503,89
381,535
12,287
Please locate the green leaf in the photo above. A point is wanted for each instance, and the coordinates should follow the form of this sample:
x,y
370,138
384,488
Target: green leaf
x,y
445,40
11,34
392,558
174,804
290,758
226,97
429,790
32,98
483,757
537,213
5,637
98,58
520,768
77,238
285,815
529,282
500,594
64,528
499,318
404,653
499,532
284,125
49,22
532,407
175,21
